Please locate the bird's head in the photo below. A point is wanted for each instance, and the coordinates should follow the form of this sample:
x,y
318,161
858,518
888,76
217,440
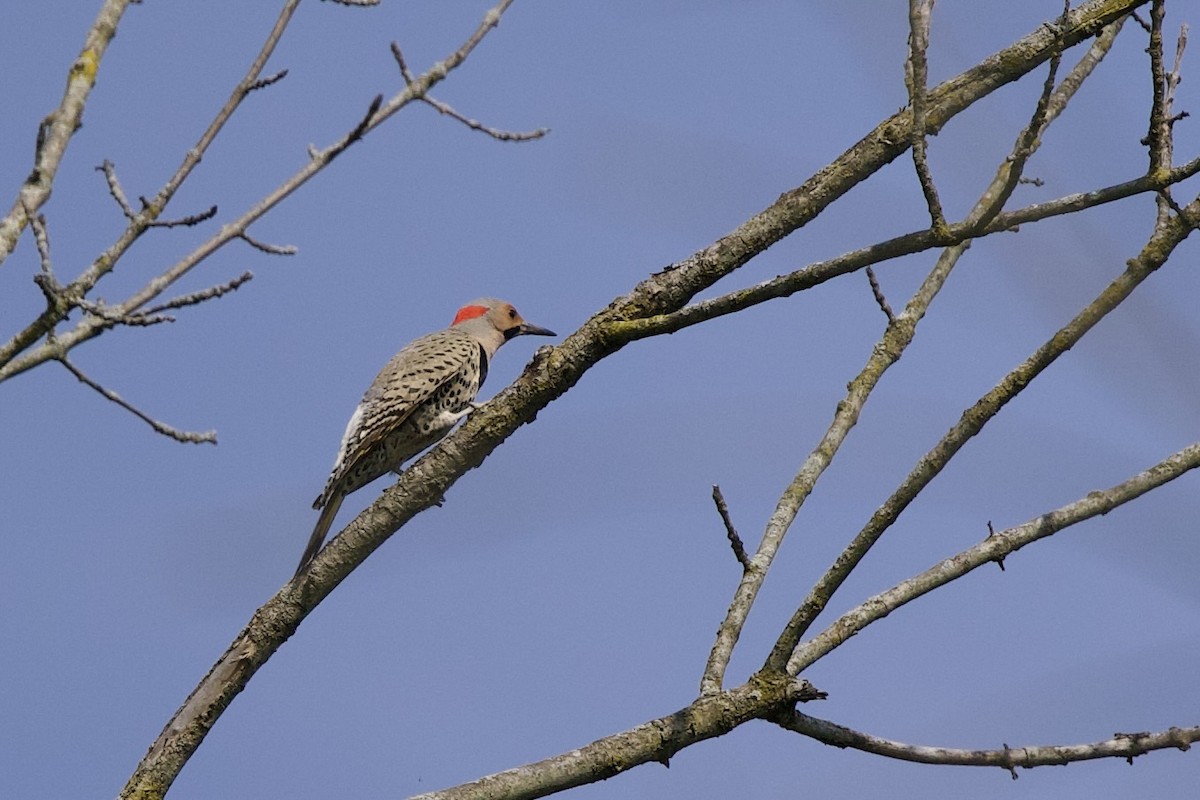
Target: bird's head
x,y
493,322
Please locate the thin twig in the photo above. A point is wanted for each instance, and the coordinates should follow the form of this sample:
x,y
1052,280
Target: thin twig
x,y
991,533
263,83
1126,746
735,541
272,249
187,437
476,125
184,222
116,317
916,77
405,72
192,299
114,187
878,293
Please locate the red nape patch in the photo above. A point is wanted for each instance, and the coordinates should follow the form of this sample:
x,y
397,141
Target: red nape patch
x,y
469,312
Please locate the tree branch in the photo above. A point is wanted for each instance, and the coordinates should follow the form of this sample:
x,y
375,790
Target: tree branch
x,y
1121,745
916,75
187,437
56,130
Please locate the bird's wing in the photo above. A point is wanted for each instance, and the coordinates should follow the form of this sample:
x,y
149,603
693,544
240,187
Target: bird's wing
x,y
409,379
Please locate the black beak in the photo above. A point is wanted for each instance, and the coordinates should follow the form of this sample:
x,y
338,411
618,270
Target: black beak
x,y
525,329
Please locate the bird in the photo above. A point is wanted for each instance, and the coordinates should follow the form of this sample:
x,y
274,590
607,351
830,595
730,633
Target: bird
x,y
419,395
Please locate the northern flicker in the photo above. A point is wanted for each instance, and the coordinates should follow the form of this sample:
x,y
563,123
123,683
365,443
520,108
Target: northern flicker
x,y
415,400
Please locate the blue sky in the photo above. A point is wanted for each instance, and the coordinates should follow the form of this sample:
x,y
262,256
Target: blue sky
x,y
571,587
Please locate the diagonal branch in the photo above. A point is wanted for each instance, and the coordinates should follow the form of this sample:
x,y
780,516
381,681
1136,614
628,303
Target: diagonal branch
x,y
187,437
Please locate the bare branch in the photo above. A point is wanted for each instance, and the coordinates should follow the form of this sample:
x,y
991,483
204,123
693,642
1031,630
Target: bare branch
x,y
916,76
116,317
194,298
476,125
1126,746
185,222
263,83
114,187
735,541
879,298
56,130
991,533
1002,544
405,72
272,249
209,437
358,131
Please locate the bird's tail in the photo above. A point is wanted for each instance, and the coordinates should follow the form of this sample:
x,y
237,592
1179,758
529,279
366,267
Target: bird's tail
x,y
319,532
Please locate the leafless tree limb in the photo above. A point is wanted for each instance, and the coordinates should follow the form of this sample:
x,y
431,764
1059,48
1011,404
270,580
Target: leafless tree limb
x,y
56,130
114,187
269,80
187,437
999,545
195,298
1127,746
735,541
916,76
272,249
476,125
877,292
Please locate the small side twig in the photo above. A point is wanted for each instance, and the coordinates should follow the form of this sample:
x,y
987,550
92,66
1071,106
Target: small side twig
x,y
916,77
209,437
272,249
476,125
735,541
194,298
447,110
117,317
1121,745
879,298
405,72
187,222
356,133
263,83
114,187
991,533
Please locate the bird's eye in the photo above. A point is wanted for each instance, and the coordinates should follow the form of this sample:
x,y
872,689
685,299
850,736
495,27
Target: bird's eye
x,y
512,313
